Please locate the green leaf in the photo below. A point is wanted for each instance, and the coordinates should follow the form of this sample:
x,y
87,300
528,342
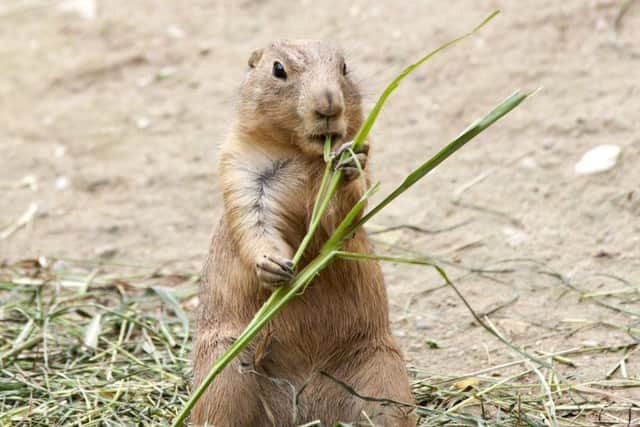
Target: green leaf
x,y
362,134
468,134
433,344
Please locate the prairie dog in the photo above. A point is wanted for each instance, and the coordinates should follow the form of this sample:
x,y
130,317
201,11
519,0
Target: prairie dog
x,y
295,93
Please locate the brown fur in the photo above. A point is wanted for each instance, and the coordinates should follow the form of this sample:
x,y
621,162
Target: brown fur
x,y
269,170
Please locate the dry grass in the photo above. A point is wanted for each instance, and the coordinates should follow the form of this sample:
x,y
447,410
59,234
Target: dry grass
x,y
81,344
527,398
84,343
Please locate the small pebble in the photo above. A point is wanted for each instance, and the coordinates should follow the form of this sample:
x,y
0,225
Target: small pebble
x,y
166,72
86,9
106,252
515,237
62,182
144,81
529,163
423,324
59,265
599,159
142,122
59,151
204,49
175,32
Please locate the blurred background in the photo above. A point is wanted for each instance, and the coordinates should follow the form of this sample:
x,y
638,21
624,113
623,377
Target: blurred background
x,y
111,113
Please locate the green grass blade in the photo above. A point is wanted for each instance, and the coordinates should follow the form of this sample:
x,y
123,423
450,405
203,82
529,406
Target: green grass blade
x,y
324,203
276,302
325,178
443,274
343,228
326,150
468,134
362,134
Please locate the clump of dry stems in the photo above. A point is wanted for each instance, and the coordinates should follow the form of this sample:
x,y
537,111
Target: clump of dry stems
x,y
84,343
80,345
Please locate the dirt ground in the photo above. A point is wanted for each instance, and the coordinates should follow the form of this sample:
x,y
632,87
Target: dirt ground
x,y
110,126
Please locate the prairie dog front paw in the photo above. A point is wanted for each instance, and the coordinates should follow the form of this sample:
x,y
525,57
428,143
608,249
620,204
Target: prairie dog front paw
x,y
349,167
274,270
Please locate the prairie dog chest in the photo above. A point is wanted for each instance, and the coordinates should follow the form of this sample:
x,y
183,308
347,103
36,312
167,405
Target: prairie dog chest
x,y
272,183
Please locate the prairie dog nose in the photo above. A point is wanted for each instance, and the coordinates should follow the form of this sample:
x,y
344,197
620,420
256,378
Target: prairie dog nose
x,y
328,103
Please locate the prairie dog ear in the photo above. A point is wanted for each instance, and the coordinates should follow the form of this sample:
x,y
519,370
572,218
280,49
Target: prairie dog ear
x,y
255,57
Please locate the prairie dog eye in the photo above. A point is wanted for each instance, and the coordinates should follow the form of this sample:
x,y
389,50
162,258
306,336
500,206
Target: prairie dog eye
x,y
344,68
278,71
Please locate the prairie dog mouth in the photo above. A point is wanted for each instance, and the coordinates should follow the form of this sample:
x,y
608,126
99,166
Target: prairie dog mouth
x,y
320,138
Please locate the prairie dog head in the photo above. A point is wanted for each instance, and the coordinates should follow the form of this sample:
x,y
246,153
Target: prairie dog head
x,y
297,92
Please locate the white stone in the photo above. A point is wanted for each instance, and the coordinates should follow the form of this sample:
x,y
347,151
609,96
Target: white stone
x,y
175,32
599,159
62,182
142,122
86,9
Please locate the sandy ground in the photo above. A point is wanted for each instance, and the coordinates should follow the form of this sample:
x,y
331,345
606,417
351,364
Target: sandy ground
x,y
110,127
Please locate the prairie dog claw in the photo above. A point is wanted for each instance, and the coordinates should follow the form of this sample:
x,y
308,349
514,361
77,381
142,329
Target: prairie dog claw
x,y
274,270
349,167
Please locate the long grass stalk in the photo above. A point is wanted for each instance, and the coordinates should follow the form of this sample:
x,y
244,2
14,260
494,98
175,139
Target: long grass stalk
x,y
362,134
427,262
468,134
